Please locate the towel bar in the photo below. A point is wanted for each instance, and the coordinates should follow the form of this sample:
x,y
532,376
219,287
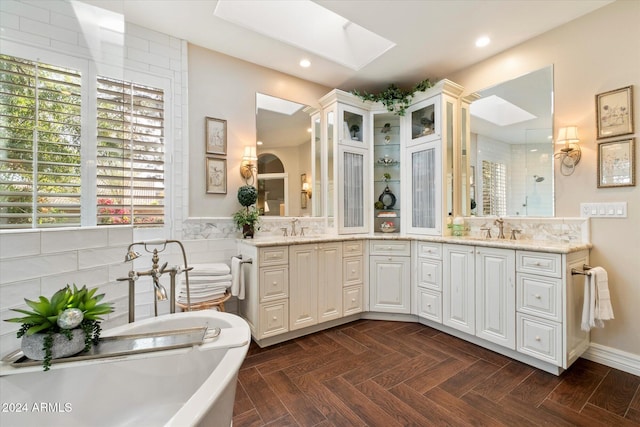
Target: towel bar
x,y
243,261
585,270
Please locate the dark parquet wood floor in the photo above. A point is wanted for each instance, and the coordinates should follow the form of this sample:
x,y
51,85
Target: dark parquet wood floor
x,y
379,373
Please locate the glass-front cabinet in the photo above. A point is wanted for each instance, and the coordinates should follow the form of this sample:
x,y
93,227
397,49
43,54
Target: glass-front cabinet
x,y
392,173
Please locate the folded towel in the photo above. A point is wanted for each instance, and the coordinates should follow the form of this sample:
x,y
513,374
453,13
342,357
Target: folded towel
x,y
597,301
237,281
215,269
207,279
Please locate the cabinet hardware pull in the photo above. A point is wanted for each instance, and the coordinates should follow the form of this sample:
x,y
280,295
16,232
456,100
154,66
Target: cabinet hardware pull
x,y
537,296
353,271
353,300
275,318
537,338
429,305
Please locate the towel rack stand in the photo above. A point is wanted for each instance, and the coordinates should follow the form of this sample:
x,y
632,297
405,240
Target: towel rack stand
x,y
585,270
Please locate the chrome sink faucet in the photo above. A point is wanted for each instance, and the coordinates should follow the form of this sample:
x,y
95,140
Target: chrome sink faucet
x,y
500,223
293,226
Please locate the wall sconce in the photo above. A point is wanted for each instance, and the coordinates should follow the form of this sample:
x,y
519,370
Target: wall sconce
x,y
570,153
248,167
305,194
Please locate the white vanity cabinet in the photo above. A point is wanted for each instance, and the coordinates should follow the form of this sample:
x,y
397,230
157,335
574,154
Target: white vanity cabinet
x,y
315,285
266,302
458,291
428,279
549,306
496,296
390,276
353,277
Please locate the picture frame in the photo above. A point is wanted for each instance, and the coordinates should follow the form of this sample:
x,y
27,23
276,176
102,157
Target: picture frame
x,y
216,175
614,113
617,163
215,136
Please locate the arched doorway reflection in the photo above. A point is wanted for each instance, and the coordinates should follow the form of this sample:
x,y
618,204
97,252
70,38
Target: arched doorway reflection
x,y
272,186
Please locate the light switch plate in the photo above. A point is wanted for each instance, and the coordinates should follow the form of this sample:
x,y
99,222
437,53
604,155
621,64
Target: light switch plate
x,y
604,210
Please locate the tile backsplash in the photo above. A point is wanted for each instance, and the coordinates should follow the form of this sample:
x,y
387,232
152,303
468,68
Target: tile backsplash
x,y
557,230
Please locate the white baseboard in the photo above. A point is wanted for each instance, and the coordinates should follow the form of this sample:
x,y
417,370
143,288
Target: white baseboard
x,y
613,358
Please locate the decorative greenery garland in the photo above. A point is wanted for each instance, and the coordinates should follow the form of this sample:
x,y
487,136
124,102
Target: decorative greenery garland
x,y
395,99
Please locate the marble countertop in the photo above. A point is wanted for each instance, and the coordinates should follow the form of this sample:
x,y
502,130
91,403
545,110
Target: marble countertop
x,y
527,245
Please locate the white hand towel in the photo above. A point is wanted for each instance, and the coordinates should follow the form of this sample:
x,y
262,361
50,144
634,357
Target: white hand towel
x,y
603,309
237,281
587,304
597,301
209,269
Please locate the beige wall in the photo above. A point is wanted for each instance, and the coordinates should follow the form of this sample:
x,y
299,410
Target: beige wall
x,y
225,88
593,54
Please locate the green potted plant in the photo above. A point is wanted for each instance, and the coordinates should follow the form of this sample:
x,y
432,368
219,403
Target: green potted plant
x,y
64,325
396,100
247,218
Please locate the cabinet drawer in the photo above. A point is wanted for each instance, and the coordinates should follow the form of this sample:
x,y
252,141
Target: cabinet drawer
x,y
274,255
352,248
352,300
430,250
539,296
430,274
352,270
540,338
274,318
430,304
539,263
390,247
274,283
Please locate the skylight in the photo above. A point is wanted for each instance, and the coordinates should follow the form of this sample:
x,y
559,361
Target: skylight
x,y
309,26
282,106
499,111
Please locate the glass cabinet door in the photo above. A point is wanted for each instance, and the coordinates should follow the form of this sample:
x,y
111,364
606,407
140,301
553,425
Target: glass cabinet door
x,y
317,172
354,126
424,121
425,188
352,198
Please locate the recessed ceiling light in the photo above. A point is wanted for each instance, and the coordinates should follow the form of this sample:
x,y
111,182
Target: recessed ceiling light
x,y
305,63
482,41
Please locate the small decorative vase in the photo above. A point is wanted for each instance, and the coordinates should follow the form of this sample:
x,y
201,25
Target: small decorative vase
x,y
247,231
33,345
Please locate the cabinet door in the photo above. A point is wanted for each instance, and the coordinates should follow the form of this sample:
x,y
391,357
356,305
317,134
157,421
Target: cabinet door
x,y
329,281
352,197
429,304
423,176
496,296
390,284
354,126
458,288
303,286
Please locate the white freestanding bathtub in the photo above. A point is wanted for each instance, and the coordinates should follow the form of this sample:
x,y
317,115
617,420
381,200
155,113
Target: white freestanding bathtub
x,y
181,387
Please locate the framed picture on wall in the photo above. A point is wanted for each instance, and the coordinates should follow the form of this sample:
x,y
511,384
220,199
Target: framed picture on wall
x,y
216,175
617,163
614,112
216,136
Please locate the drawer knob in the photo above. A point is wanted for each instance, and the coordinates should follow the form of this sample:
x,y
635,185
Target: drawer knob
x,y
537,263
537,296
275,283
537,338
275,318
390,258
353,271
429,274
353,300
428,305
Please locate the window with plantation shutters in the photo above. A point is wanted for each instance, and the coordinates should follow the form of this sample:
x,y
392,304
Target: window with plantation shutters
x,y
40,135
130,153
494,188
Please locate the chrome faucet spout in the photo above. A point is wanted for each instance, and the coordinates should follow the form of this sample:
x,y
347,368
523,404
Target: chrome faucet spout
x,y
293,226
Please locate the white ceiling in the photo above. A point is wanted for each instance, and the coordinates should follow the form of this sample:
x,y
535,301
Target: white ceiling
x,y
434,38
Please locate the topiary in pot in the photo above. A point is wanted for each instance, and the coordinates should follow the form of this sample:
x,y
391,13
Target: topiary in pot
x,y
247,195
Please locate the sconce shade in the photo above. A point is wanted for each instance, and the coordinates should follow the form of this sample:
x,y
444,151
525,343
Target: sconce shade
x,y
305,186
568,135
250,154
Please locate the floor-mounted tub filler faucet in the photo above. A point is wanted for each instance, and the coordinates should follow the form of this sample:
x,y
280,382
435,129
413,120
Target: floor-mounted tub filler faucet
x,y
500,223
155,273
